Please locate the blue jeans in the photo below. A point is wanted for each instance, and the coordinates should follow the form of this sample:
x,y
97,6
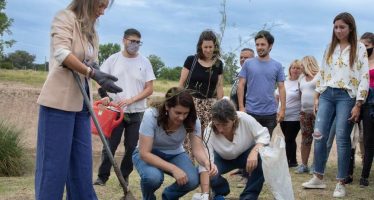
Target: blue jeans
x,y
333,103
252,189
152,177
64,155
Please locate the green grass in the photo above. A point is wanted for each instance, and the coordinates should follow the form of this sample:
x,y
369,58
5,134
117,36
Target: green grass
x,y
37,78
13,161
27,77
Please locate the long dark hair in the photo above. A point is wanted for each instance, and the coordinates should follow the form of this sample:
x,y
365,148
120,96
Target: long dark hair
x,y
177,96
352,37
208,35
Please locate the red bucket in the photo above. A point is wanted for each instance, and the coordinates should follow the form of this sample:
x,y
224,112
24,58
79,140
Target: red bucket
x,y
108,118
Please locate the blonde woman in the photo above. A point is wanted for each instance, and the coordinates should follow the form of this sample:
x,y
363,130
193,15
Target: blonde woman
x,y
291,124
64,152
307,85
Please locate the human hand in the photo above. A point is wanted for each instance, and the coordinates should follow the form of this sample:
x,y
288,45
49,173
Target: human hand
x,y
180,176
252,161
106,81
316,104
355,113
125,102
211,167
280,116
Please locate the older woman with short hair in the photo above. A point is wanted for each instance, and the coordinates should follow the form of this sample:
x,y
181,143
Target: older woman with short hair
x,y
233,139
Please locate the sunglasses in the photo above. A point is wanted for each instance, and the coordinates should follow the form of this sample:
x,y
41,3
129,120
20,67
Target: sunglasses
x,y
135,41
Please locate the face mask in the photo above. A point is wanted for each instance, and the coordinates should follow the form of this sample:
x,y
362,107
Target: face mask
x,y
370,51
132,48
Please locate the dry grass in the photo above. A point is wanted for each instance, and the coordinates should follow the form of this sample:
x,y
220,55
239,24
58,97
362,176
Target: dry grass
x,y
22,188
37,78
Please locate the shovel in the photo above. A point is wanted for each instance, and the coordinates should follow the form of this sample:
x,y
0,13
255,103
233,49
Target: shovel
x,y
125,186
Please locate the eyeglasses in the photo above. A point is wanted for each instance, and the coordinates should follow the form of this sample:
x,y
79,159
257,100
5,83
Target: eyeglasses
x,y
135,41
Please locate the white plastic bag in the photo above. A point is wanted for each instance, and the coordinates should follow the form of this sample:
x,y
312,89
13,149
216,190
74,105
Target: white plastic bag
x,y
275,168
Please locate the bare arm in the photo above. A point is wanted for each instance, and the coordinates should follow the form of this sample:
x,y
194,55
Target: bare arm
x,y
200,154
219,87
240,92
145,148
147,91
72,62
282,99
183,77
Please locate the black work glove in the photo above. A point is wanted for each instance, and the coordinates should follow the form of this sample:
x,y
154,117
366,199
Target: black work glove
x,y
106,81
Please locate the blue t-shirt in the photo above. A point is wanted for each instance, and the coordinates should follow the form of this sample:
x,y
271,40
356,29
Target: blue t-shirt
x,y
171,143
261,78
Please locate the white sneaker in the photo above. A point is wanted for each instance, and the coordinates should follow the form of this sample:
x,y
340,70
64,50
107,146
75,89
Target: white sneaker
x,y
314,183
200,196
339,190
205,196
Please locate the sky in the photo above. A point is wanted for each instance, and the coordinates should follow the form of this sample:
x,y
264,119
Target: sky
x,y
170,28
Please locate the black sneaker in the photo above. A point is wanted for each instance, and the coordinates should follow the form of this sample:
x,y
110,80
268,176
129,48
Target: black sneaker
x,y
364,182
99,182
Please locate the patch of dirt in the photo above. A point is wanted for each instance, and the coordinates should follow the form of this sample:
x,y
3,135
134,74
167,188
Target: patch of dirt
x,y
18,106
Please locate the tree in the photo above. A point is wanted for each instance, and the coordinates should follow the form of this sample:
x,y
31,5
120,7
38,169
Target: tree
x,y
170,74
157,64
5,24
230,67
21,59
105,50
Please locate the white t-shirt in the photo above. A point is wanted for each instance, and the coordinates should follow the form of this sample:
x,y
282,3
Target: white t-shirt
x,y
307,89
132,74
248,133
293,100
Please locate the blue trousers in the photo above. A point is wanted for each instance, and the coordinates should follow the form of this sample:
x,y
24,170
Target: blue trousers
x,y
152,177
252,189
64,155
333,103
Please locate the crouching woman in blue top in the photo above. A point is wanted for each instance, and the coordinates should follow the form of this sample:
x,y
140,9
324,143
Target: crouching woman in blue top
x,y
160,148
234,138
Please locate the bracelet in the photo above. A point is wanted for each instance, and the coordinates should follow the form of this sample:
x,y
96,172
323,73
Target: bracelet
x,y
88,72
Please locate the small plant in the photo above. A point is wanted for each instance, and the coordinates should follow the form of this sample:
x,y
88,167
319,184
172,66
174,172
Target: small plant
x,y
12,154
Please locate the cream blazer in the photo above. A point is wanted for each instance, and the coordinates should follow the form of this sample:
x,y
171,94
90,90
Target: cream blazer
x,y
60,90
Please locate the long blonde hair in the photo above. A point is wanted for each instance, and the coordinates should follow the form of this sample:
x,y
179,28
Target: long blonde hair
x,y
310,66
85,11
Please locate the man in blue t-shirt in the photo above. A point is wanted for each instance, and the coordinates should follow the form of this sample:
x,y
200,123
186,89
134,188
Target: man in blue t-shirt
x,y
262,74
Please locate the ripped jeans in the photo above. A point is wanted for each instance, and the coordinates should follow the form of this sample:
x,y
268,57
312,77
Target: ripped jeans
x,y
333,103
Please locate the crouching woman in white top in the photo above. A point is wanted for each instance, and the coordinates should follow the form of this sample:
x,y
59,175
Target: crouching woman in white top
x,y
234,138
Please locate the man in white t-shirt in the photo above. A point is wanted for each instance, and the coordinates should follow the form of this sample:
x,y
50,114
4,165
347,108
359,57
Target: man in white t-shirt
x,y
135,76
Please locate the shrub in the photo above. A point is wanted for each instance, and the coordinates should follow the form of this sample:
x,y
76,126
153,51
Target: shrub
x,y
6,65
13,161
